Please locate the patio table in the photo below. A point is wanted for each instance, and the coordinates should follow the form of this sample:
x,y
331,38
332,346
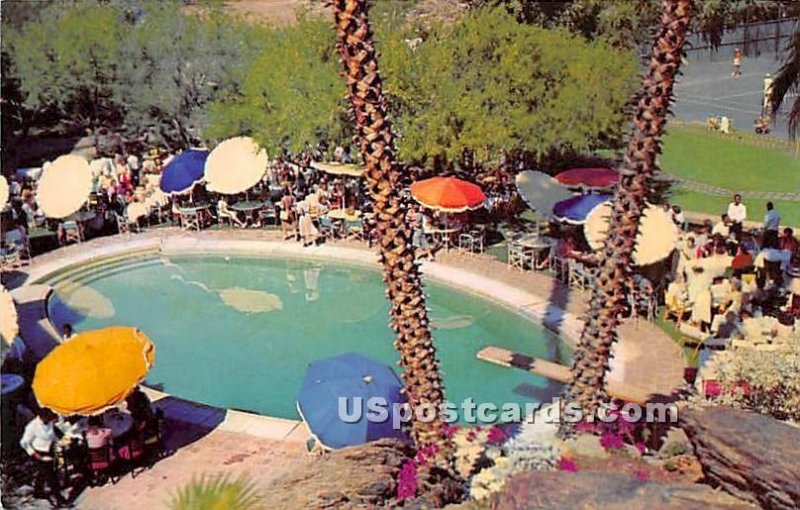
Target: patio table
x,y
538,245
342,214
119,422
249,208
442,235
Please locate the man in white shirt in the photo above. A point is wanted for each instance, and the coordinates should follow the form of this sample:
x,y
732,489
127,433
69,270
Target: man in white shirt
x,y
737,212
722,227
37,441
772,225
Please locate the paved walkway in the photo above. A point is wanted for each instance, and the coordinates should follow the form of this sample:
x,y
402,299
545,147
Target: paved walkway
x,y
206,441
709,189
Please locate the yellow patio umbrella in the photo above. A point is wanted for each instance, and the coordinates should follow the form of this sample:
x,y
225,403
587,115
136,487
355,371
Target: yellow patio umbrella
x,y
657,237
3,191
335,168
93,371
64,186
235,166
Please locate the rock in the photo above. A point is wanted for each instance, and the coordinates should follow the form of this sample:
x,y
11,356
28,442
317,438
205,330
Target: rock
x,y
752,456
609,491
586,445
675,443
359,477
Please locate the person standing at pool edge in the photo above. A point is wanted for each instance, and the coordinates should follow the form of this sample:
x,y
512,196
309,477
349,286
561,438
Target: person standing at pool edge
x,y
737,212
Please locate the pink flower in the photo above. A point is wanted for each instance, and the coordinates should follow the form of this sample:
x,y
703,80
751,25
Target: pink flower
x,y
496,436
641,474
567,464
611,441
641,448
407,480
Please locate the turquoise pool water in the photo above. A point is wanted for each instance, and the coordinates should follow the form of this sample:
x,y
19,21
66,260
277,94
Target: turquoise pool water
x,y
239,332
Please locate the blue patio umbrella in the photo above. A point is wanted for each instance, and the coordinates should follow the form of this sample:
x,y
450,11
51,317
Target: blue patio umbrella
x,y
350,376
575,210
184,171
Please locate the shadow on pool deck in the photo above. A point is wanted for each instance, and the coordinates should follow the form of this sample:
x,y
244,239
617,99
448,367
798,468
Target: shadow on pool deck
x,y
187,422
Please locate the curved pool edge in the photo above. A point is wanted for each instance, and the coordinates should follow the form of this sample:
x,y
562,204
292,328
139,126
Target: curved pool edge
x,y
534,308
526,304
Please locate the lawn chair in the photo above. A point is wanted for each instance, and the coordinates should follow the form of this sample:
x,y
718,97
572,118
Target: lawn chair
x,y
354,229
190,219
101,465
72,232
18,247
518,256
267,216
578,276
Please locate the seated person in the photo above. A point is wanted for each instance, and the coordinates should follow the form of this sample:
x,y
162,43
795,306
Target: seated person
x,y
722,227
224,212
139,406
742,262
788,243
97,434
730,327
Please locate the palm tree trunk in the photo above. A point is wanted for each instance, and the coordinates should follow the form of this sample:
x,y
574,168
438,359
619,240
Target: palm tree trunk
x,y
608,297
404,288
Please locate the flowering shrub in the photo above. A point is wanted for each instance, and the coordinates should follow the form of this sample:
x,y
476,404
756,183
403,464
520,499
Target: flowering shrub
x,y
515,456
408,479
567,464
767,382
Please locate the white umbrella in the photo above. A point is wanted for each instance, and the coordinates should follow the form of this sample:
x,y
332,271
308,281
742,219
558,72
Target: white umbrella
x,y
3,191
9,325
65,186
657,237
335,168
541,191
235,166
137,210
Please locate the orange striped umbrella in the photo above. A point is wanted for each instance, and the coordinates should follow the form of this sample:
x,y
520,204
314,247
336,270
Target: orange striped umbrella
x,y
93,371
447,194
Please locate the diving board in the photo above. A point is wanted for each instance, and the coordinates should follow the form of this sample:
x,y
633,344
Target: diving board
x,y
506,358
555,372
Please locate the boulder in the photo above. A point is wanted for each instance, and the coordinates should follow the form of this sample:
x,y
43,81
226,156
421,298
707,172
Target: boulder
x,y
358,477
609,491
752,456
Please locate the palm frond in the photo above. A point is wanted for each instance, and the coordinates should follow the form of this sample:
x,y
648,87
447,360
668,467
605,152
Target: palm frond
x,y
217,492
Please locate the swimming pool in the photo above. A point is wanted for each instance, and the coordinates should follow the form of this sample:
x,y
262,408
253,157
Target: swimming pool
x,y
238,332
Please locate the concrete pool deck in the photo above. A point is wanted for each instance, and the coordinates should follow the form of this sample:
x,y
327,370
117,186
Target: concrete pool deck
x,y
647,361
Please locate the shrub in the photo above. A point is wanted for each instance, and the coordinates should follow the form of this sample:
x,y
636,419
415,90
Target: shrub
x,y
767,382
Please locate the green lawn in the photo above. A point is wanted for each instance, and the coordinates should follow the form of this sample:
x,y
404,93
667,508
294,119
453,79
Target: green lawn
x,y
697,202
697,155
708,157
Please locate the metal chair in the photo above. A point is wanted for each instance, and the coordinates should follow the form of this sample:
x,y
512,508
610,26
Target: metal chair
x,y
354,229
190,220
101,465
72,232
19,247
518,256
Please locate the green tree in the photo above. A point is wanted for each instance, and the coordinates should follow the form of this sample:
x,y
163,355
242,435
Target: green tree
x,y
67,62
174,65
490,86
292,96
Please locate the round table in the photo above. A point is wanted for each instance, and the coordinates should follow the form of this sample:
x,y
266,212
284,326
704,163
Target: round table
x,y
118,422
442,235
82,216
342,214
250,208
11,383
539,246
